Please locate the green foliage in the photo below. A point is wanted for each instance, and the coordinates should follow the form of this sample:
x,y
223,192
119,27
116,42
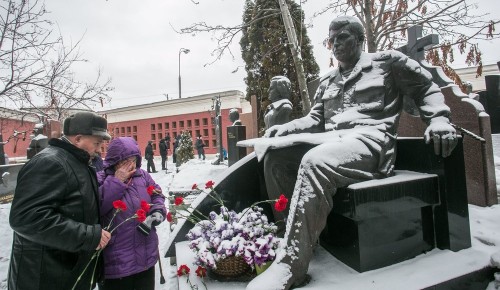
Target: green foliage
x,y
185,149
265,50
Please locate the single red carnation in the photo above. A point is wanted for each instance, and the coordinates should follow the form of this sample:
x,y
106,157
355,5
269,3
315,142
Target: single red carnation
x,y
183,270
209,184
195,186
141,215
178,200
119,205
201,272
280,204
145,205
150,189
170,218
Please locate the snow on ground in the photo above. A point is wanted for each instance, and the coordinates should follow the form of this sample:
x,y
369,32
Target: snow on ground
x,y
497,173
484,229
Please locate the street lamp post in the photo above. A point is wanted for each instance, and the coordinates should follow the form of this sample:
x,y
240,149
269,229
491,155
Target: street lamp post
x,y
184,50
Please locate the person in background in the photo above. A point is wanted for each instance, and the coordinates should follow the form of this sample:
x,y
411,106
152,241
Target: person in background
x,y
163,153
167,142
224,153
55,211
97,162
131,255
176,144
6,157
149,156
199,147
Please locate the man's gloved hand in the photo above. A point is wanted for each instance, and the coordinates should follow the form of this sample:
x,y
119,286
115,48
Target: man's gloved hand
x,y
157,218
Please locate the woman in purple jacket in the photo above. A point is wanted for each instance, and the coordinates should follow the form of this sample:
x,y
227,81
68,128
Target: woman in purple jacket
x,y
132,252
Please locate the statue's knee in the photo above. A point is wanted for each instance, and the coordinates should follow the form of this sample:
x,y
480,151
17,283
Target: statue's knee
x,y
313,159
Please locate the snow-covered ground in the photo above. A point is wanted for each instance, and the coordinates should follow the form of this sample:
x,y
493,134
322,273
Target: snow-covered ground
x,y
327,272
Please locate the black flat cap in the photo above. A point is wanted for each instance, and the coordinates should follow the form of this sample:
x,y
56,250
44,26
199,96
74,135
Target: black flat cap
x,y
86,123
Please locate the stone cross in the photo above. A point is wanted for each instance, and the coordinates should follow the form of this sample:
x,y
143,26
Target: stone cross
x,y
417,44
415,49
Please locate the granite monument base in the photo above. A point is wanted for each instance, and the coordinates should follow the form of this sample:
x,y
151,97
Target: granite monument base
x,y
373,225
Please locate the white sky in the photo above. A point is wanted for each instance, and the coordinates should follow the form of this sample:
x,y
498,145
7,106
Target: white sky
x,y
134,43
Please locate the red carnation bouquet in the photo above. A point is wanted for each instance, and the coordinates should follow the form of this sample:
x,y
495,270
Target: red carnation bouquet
x,y
119,206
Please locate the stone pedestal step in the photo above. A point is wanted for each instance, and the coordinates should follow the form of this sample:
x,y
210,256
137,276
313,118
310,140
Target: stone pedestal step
x,y
329,273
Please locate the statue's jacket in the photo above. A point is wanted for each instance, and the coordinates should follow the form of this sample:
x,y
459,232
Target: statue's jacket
x,y
278,113
367,104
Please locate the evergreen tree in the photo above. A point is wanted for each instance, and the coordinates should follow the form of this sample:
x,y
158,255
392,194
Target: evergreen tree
x,y
265,50
185,149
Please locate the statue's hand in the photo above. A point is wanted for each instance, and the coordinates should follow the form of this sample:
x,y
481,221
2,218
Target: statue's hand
x,y
443,136
276,131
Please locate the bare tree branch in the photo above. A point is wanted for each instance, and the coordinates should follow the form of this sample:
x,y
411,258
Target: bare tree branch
x,y
224,35
35,64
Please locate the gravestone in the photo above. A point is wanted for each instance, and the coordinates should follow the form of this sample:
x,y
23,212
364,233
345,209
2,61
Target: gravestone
x,y
38,142
234,135
430,214
490,98
8,181
466,113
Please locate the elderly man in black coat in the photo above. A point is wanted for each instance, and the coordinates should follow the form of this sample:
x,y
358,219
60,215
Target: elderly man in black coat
x,y
55,211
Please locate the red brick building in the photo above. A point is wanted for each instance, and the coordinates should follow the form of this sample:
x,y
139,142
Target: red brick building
x,y
194,114
16,125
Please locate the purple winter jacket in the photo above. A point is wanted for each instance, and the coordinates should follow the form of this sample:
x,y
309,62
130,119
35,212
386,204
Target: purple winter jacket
x,y
129,251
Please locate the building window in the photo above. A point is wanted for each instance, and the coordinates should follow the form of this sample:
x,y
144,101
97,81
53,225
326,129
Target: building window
x,y
154,146
153,137
205,121
134,129
128,130
117,131
160,136
122,129
167,126
153,127
174,125
159,126
189,123
197,133
135,137
197,122
214,143
205,132
213,131
181,124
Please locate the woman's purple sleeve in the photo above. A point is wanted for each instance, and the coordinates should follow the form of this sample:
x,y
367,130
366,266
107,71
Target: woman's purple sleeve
x,y
110,189
157,200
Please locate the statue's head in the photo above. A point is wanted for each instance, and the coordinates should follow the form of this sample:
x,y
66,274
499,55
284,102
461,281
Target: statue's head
x,y
346,36
38,129
279,88
234,114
